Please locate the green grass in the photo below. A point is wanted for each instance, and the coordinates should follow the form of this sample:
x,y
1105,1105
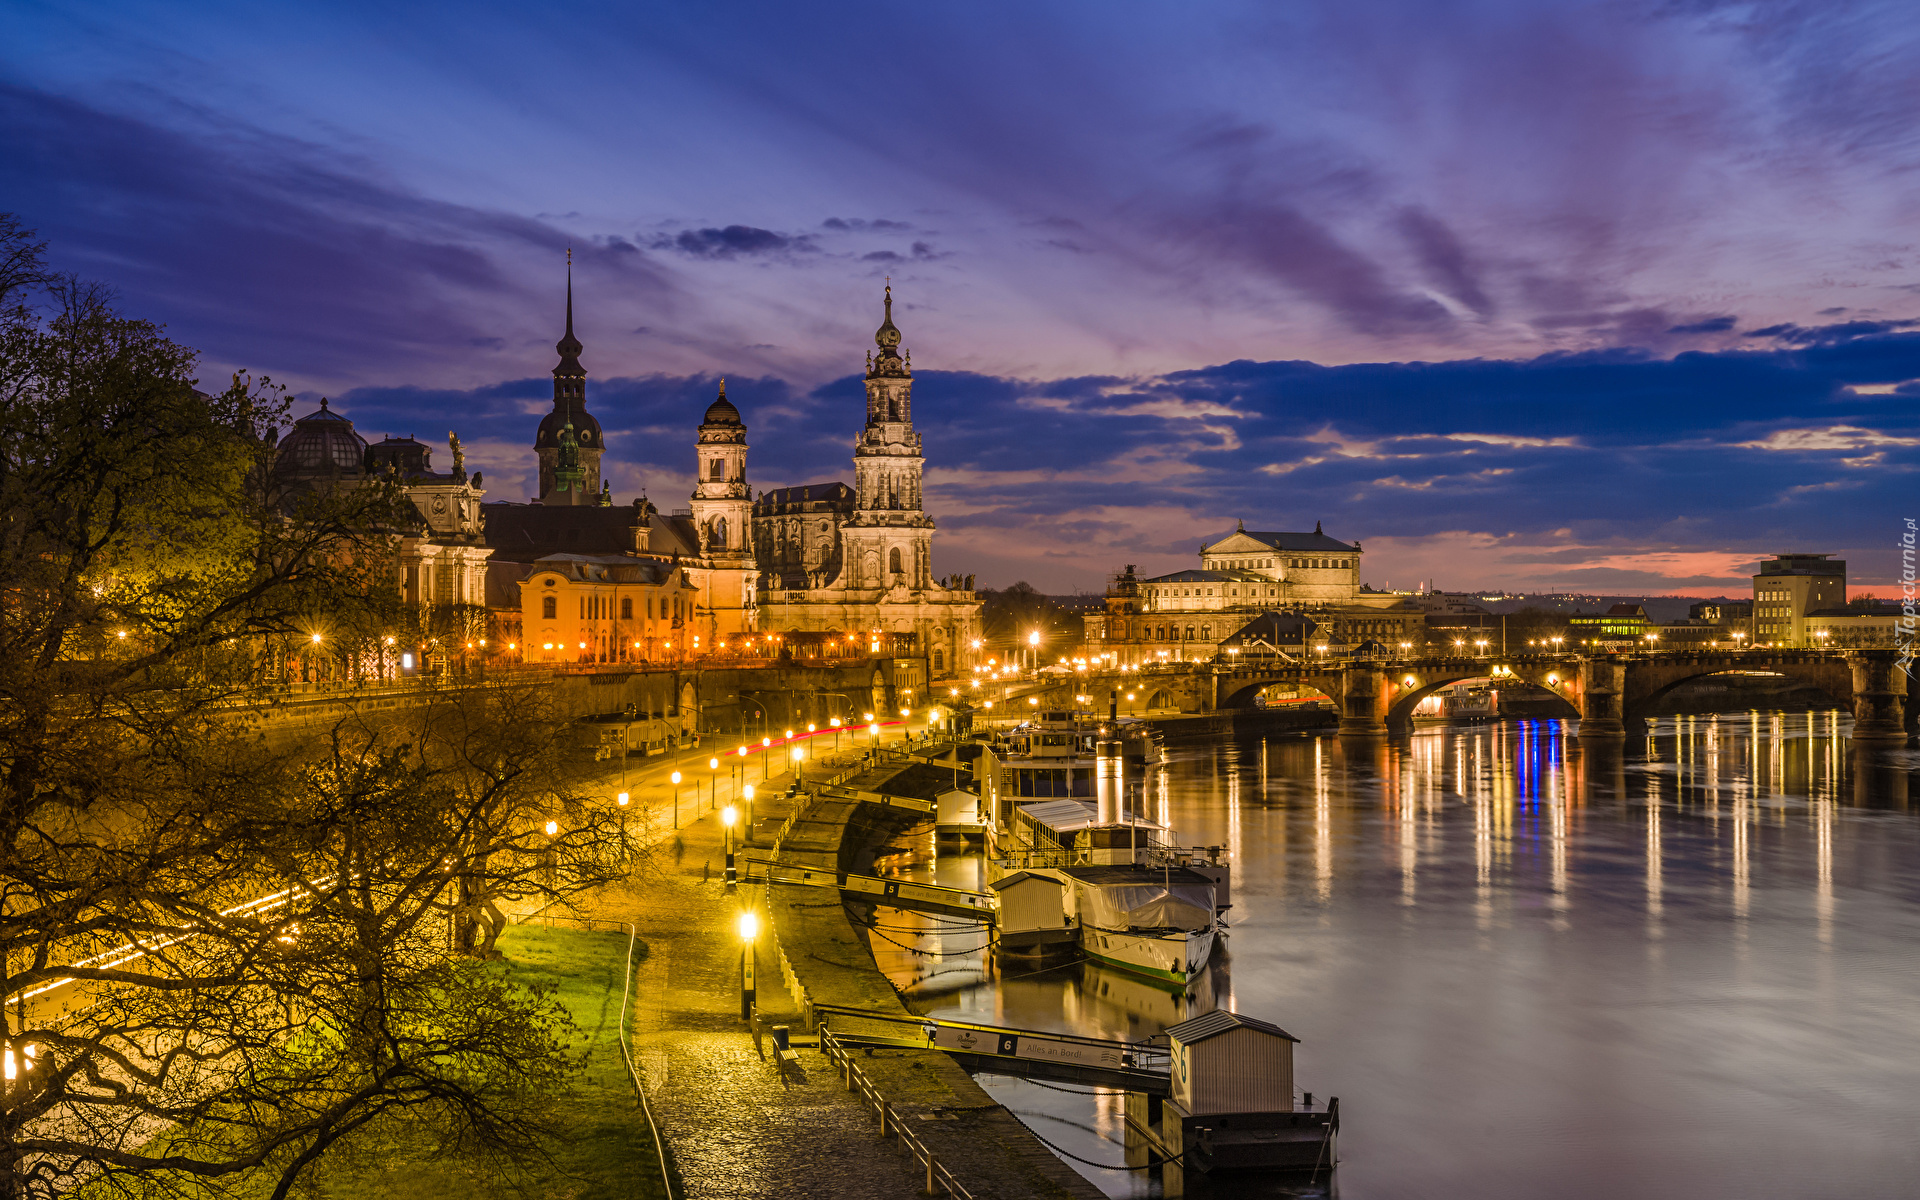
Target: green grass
x,y
607,1149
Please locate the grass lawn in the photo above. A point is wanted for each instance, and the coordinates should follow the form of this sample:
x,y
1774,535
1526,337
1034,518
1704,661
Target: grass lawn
x,y
607,1149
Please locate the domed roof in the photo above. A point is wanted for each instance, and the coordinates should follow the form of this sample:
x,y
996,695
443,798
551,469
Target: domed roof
x,y
321,443
722,411
584,427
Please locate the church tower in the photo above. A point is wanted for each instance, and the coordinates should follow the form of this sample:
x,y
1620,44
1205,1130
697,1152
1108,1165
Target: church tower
x,y
569,412
722,507
889,537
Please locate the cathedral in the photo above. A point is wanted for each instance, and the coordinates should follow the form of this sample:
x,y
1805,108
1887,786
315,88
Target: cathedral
x,y
823,558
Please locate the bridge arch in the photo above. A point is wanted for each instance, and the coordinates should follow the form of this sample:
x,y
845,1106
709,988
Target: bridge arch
x,y
1646,692
1243,693
1561,683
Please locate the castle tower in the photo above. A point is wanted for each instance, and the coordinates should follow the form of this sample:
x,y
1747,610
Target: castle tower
x,y
722,507
569,410
889,537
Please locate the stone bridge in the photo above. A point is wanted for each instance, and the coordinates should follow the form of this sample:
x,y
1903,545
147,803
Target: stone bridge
x,y
1610,694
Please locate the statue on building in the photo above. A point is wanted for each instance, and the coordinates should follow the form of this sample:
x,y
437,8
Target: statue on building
x,y
459,458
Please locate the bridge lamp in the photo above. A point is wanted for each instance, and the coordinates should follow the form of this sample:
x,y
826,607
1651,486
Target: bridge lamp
x,y
1553,681
1410,681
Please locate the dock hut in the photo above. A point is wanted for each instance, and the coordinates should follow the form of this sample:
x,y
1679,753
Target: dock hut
x,y
1033,913
1226,1063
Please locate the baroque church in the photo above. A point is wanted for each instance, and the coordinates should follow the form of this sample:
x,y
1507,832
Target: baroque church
x,y
822,558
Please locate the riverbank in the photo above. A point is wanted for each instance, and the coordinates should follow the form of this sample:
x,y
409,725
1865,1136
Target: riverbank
x,y
825,959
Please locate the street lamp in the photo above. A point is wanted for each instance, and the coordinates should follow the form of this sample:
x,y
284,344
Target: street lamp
x,y
727,817
749,929
747,794
676,799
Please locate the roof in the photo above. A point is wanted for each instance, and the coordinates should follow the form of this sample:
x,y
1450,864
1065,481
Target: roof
x,y
1315,542
1626,610
1881,610
1211,577
807,493
1219,1021
1022,877
1063,816
722,411
605,568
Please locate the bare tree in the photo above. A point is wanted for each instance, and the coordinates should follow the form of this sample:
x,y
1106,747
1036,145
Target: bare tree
x,y
222,951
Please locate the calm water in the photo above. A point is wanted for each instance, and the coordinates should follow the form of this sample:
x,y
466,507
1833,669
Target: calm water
x,y
1529,969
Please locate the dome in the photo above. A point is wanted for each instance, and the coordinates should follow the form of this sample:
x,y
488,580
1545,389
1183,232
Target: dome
x,y
722,412
584,427
321,443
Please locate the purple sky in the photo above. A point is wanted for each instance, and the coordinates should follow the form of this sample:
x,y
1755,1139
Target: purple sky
x,y
1608,297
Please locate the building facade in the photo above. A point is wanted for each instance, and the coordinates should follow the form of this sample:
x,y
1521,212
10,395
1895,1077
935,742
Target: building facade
x,y
1787,589
821,558
837,557
1191,615
603,608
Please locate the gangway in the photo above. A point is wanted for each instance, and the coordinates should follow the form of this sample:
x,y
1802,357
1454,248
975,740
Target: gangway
x,y
895,893
997,1050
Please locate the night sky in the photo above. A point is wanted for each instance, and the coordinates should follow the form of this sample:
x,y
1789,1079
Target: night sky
x,y
1610,297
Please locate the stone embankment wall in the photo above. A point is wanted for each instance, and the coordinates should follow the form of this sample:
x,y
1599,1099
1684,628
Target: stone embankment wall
x,y
718,702
826,959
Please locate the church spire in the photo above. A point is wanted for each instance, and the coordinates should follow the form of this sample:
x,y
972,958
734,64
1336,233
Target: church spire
x,y
887,337
569,346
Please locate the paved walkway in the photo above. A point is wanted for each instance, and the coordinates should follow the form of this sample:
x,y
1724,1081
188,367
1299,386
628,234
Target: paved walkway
x,y
733,1127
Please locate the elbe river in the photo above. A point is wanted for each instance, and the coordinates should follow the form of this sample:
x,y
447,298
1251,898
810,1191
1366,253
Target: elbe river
x,y
1689,967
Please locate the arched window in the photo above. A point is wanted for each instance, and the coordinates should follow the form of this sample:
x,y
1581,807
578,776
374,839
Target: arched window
x,y
1206,633
549,607
626,609
893,560
720,533
939,661
716,468
1189,633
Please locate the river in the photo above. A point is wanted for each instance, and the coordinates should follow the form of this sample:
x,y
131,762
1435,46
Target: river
x,y
1529,968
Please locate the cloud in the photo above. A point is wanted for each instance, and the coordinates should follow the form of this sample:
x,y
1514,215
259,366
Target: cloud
x,y
278,255
1708,325
1834,437
861,224
732,241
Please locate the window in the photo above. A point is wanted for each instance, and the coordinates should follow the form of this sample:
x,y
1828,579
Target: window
x,y
1189,633
717,468
939,661
549,608
626,610
893,560
1206,633
720,532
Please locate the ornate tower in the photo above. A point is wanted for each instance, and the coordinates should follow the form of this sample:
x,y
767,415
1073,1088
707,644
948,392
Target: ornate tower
x,y
888,538
569,409
722,507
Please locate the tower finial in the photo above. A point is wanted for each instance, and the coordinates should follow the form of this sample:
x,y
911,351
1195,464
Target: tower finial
x,y
723,387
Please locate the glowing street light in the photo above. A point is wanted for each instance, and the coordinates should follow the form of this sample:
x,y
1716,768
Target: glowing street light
x,y
749,930
676,799
727,817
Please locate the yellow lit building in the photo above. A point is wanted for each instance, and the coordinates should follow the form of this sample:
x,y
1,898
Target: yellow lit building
x,y
585,608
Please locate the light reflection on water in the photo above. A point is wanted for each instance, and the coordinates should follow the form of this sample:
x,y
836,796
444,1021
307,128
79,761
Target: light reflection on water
x,y
1529,967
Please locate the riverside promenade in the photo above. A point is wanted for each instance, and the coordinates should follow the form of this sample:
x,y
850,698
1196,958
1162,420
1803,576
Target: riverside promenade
x,y
733,1125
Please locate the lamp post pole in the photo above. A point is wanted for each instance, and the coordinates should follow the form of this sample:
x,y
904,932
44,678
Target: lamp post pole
x,y
676,799
749,928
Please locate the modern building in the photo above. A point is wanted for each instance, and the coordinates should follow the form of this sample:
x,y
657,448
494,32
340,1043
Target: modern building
x,y
1790,586
1863,623
1621,625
